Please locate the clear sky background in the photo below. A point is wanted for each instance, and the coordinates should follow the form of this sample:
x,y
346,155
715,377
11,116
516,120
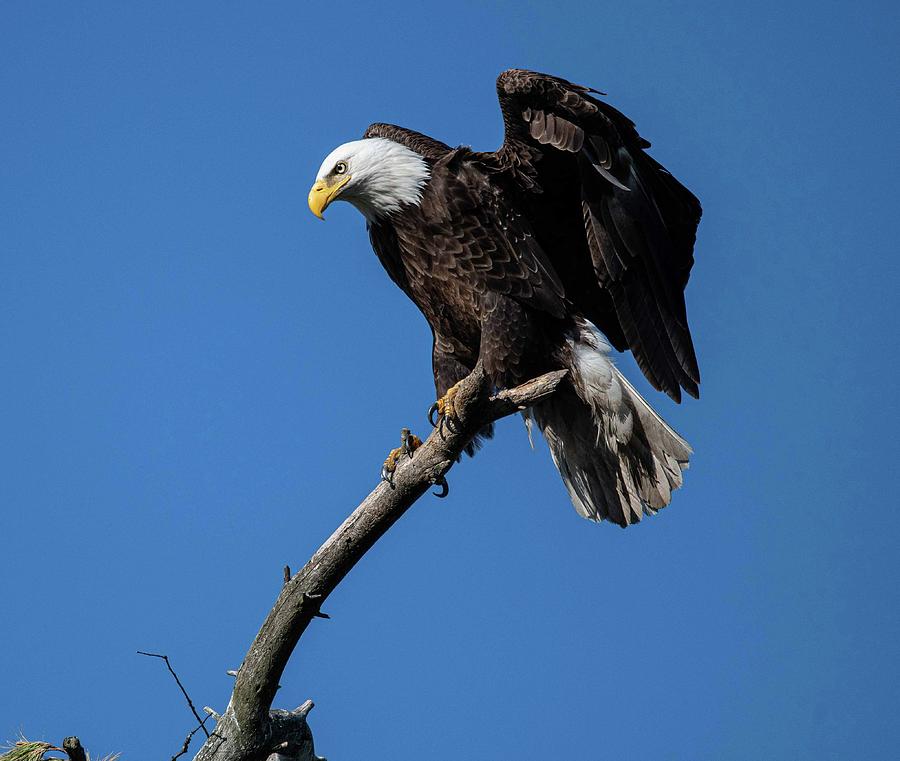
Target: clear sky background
x,y
200,380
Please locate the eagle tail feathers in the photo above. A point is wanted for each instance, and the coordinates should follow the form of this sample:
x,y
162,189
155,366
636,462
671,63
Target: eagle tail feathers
x,y
618,459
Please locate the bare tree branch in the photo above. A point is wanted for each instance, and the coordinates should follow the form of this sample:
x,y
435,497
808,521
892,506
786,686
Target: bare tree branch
x,y
249,730
201,722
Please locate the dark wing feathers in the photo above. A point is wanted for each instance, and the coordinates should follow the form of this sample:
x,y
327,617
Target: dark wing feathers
x,y
473,233
639,222
549,129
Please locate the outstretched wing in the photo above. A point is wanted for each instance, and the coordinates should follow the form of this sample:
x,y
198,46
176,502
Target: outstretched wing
x,y
636,224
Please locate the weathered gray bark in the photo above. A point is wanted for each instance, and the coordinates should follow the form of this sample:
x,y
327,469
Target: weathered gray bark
x,y
250,730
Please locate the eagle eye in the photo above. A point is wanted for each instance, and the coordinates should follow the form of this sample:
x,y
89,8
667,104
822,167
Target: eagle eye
x,y
340,167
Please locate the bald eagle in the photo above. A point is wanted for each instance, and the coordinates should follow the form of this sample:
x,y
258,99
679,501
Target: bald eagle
x,y
542,255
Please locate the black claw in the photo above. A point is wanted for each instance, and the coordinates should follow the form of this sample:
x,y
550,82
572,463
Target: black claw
x,y
442,420
446,420
445,487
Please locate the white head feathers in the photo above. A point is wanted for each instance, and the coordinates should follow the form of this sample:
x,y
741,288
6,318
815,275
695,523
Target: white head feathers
x,y
383,176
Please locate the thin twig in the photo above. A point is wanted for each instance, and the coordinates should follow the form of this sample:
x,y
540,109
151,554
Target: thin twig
x,y
187,740
180,686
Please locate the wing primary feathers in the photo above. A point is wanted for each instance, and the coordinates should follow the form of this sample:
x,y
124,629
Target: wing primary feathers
x,y
602,164
638,223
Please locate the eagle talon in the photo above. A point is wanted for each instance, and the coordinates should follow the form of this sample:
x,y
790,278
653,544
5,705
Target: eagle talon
x,y
389,467
409,443
445,487
445,411
448,421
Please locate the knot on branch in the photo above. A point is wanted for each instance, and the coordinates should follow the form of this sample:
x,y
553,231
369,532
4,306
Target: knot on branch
x,y
291,735
312,602
73,748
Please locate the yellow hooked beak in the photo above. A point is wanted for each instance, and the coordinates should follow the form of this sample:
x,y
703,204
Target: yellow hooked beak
x,y
323,193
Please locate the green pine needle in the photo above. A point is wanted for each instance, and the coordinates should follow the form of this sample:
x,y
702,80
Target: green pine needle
x,y
28,751
25,750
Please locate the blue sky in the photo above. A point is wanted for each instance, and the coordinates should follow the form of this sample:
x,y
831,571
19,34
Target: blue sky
x,y
201,380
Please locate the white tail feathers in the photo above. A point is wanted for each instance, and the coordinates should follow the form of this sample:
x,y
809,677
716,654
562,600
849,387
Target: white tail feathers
x,y
617,457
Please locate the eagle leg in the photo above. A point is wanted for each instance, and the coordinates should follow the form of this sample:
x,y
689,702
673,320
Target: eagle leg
x,y
445,411
409,443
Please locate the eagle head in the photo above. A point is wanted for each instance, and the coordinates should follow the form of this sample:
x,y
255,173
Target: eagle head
x,y
378,176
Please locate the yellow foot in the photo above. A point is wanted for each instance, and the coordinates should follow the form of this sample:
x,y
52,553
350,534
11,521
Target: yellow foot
x,y
445,410
409,443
